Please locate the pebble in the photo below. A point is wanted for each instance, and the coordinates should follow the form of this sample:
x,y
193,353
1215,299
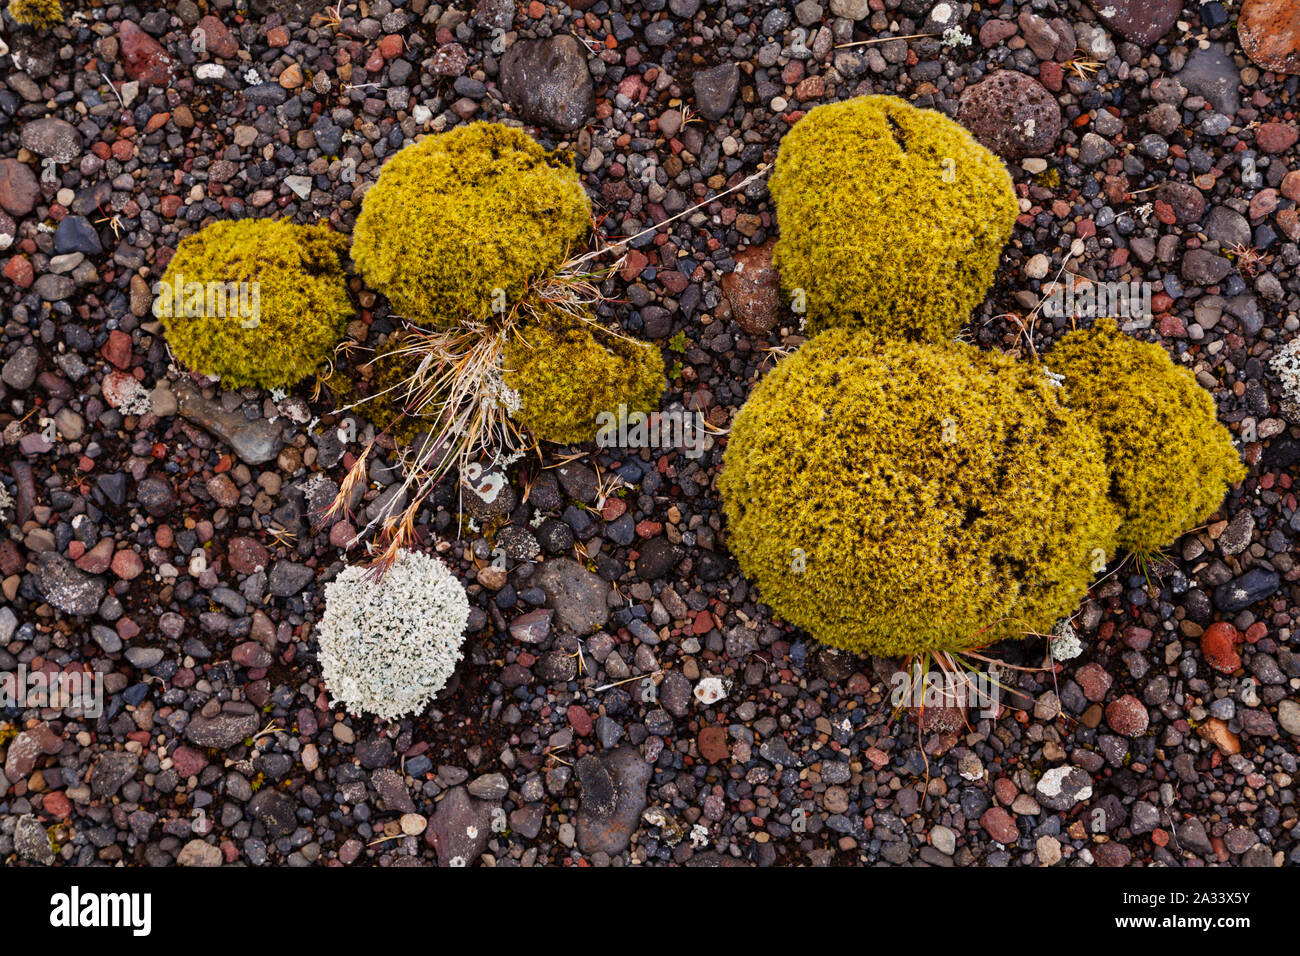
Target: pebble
x,y
576,595
1142,21
715,90
1012,114
52,138
1269,31
548,82
753,289
613,797
1127,716
1062,787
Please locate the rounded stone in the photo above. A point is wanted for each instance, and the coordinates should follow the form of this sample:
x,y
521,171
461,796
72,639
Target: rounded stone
x,y
1012,114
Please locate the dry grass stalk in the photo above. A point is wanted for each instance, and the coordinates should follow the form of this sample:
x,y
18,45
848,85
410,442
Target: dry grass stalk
x,y
457,384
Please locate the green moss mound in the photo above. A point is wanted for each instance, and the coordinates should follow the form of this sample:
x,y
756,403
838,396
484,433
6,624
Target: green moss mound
x,y
873,231
455,216
893,497
292,276
1171,462
567,372
39,14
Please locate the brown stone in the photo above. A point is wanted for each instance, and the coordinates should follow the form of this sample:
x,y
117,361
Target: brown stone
x,y
19,189
1142,21
218,38
1094,681
117,349
1216,732
223,491
143,57
1011,114
246,555
1219,647
1270,34
753,290
1000,825
127,565
713,744
1276,137
1127,716
19,271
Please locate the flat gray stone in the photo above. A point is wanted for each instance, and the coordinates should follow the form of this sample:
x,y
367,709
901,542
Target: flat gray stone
x,y
66,587
577,596
549,83
255,442
1212,74
612,801
221,732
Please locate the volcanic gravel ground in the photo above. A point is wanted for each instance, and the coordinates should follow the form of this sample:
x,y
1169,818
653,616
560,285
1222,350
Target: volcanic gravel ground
x,y
140,545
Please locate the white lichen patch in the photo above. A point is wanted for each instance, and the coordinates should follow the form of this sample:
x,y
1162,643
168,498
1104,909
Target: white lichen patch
x,y
126,394
389,644
955,36
1065,644
1286,365
1052,782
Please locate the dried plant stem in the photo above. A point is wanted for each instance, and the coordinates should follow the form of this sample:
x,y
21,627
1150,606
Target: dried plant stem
x,y
910,36
456,383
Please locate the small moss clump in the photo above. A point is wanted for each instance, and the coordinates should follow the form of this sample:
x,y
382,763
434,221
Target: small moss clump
x,y
892,218
894,498
255,301
567,371
456,216
376,386
1171,462
39,14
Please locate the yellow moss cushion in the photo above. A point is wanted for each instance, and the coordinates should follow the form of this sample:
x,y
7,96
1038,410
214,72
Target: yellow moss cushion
x,y
893,497
292,277
891,218
458,215
1171,462
567,372
40,14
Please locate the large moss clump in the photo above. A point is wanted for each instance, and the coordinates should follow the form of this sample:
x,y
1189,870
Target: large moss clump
x,y
256,301
456,216
892,218
38,14
894,498
568,371
1171,462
